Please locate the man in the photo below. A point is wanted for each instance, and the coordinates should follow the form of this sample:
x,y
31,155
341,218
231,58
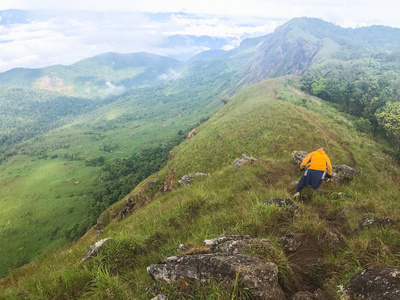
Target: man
x,y
319,165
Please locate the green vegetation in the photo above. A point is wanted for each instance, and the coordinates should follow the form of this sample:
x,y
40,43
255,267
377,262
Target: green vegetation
x,y
78,155
367,88
267,121
64,160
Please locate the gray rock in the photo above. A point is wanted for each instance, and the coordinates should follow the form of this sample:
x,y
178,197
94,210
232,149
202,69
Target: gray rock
x,y
235,244
283,202
344,174
245,160
257,274
182,247
369,221
95,248
160,297
376,283
187,179
347,171
299,156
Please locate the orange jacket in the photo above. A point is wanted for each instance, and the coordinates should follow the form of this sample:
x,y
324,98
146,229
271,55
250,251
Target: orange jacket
x,y
317,160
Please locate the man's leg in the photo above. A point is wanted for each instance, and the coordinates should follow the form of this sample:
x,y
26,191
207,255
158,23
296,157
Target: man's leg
x,y
302,183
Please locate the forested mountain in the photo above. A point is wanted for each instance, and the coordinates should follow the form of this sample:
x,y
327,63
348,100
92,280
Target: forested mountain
x,y
302,43
76,139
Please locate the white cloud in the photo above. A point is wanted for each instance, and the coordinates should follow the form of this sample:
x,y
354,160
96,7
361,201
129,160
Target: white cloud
x,y
68,35
113,90
170,75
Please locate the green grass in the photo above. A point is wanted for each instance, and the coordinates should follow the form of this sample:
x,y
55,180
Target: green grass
x,y
39,197
266,122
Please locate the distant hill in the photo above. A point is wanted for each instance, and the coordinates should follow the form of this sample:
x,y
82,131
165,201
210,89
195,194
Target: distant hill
x,y
101,76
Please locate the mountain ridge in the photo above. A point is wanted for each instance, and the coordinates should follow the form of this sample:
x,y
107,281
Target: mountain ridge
x,y
154,111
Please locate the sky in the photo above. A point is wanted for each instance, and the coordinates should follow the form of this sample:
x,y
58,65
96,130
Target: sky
x,y
71,30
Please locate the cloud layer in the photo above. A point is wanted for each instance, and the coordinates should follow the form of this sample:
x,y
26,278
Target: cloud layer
x,y
63,32
40,39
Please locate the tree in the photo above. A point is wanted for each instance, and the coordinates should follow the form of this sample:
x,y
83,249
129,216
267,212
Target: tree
x,y
389,118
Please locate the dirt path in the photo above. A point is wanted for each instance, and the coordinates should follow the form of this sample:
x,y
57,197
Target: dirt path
x,y
352,162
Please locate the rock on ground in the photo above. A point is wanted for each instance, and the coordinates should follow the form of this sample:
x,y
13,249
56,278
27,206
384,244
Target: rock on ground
x,y
370,221
160,297
245,160
299,156
282,202
235,244
376,283
187,179
95,248
259,275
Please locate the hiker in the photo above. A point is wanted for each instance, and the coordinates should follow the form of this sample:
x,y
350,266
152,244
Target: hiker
x,y
319,166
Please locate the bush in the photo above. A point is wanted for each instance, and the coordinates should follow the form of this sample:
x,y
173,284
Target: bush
x,y
363,125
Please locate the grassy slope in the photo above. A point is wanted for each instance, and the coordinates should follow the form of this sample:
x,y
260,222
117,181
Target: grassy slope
x,y
39,200
263,121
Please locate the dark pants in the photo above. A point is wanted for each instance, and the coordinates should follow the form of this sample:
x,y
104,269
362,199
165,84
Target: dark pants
x,y
311,177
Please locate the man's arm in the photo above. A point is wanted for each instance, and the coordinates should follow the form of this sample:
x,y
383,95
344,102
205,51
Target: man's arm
x,y
306,160
328,166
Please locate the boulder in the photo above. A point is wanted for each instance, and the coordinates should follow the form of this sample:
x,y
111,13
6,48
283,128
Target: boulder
x,y
346,171
377,283
245,160
299,156
254,273
187,179
370,221
283,202
235,244
342,174
95,248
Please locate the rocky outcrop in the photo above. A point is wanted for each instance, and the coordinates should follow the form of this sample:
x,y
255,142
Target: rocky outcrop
x,y
192,133
299,156
140,199
187,179
283,202
235,244
369,221
257,274
377,283
244,161
95,248
342,174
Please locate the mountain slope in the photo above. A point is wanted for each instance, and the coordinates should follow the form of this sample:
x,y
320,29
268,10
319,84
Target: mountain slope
x,y
101,76
267,121
301,43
